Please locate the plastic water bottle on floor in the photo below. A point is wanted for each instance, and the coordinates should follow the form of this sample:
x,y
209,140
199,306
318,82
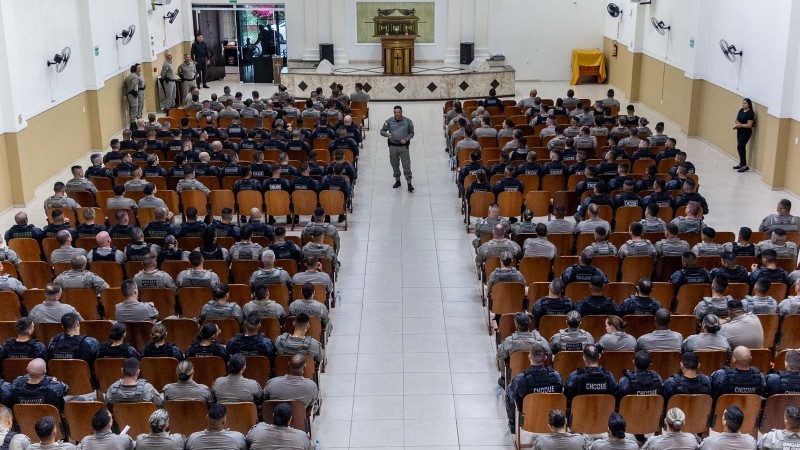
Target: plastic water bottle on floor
x,y
317,446
338,296
499,392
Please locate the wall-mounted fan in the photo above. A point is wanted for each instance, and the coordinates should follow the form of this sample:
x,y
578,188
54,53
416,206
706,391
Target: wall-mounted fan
x,y
154,3
61,59
127,34
172,15
660,27
730,51
613,10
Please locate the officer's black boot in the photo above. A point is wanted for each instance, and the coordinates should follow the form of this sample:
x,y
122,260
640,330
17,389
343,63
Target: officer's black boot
x,y
396,184
410,187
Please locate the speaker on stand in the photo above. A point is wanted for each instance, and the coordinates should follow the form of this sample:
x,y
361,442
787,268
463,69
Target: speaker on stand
x,y
467,53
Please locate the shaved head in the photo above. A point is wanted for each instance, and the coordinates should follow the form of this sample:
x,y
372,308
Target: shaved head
x,y
37,368
741,357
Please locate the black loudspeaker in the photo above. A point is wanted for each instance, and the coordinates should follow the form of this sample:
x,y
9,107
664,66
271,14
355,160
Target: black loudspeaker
x,y
467,52
326,52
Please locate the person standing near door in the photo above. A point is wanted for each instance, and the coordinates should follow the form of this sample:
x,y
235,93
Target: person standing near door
x,y
168,80
187,72
200,56
399,130
744,130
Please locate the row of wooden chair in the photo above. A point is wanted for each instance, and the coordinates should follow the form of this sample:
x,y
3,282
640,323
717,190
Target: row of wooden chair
x,y
588,414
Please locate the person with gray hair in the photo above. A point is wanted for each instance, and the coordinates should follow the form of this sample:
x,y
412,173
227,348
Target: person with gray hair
x,y
11,440
66,252
80,278
708,338
269,274
159,437
786,381
789,437
672,437
46,431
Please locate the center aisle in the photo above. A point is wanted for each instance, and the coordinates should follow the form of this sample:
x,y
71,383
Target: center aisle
x,y
410,362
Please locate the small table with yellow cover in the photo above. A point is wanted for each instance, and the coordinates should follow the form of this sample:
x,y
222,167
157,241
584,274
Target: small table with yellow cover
x,y
588,63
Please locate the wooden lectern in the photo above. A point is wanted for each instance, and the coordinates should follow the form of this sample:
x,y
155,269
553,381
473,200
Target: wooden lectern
x,y
397,54
397,29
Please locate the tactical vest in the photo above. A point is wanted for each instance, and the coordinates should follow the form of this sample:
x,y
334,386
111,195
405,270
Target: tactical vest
x,y
157,230
638,248
13,349
582,273
40,394
643,382
759,307
111,256
556,306
138,254
591,307
640,309
170,255
294,346
21,232
593,380
136,395
694,275
248,345
214,254
4,282
602,248
573,341
711,308
65,347
790,382
7,440
739,382
115,351
166,350
200,350
687,226
542,381
698,385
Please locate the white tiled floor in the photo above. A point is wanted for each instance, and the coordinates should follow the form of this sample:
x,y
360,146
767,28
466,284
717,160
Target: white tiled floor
x,y
410,361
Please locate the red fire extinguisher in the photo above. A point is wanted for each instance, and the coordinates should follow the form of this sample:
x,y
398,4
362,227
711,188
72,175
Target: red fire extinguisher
x,y
614,49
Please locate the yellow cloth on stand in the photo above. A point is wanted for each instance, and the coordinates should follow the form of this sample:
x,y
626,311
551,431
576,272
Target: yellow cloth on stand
x,y
587,58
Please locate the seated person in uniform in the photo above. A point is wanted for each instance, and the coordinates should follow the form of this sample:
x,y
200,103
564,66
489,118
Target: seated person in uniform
x,y
278,434
591,379
615,338
584,271
519,340
116,347
708,338
786,381
251,342
788,437
560,436
662,338
220,307
739,377
216,435
234,387
103,437
640,302
783,219
672,437
51,310
71,344
689,380
571,338
731,437
640,381
36,387
616,438
131,309
186,388
732,271
159,436
206,343
159,347
743,328
298,343
717,303
263,305
596,303
196,276
24,345
131,388
294,385
555,303
690,273
538,378
46,431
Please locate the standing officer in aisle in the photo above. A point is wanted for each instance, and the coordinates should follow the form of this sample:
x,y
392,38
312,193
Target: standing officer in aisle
x,y
200,56
168,80
133,90
187,72
399,130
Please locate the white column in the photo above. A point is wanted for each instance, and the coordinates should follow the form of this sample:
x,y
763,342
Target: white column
x,y
481,29
338,36
451,54
311,52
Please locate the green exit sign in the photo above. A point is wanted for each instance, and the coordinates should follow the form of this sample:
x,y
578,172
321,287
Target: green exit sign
x,y
232,1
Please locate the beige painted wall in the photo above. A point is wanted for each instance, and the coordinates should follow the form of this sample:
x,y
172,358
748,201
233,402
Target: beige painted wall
x,y
792,183
5,182
620,68
667,92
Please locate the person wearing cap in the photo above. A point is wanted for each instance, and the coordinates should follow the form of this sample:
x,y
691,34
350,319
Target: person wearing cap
x,y
708,338
718,302
760,302
778,242
538,378
743,328
788,437
672,437
783,219
520,340
730,270
707,246
786,381
591,379
689,380
739,377
571,338
596,303
662,338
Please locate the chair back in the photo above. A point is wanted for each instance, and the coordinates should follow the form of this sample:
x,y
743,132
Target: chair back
x,y
589,413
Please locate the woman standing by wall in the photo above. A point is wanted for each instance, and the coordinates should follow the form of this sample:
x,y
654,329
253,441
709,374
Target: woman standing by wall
x,y
744,130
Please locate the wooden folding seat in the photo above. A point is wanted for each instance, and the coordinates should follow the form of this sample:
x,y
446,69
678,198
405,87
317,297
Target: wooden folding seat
x,y
209,181
196,199
642,413
664,292
271,327
774,410
320,294
538,202
750,404
666,266
181,332
689,295
135,415
769,323
535,268
639,325
583,240
619,291
175,267
304,203
334,203
778,291
186,416
589,413
298,413
35,274
207,369
9,306
138,334
220,200
790,333
595,325
61,267
75,373
625,215
562,263
242,269
228,328
563,243
107,371
510,204
159,371
278,203
566,362
192,299
258,368
617,361
45,332
110,272
532,416
76,413
762,359
15,367
506,298
577,290
635,268
609,264
163,300
84,301
241,416
247,200
666,363
550,325
26,417
27,249
711,360
478,206
218,266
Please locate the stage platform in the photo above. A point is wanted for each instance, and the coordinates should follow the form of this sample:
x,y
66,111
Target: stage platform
x,y
428,81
